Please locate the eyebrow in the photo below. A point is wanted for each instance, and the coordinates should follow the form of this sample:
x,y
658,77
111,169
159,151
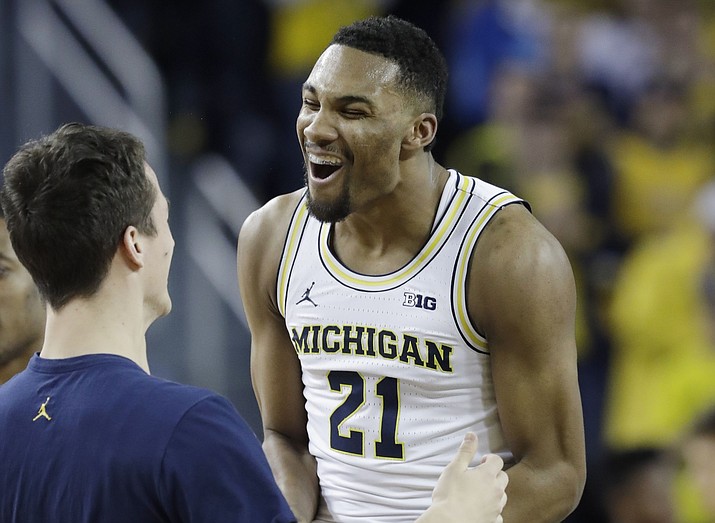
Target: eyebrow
x,y
347,99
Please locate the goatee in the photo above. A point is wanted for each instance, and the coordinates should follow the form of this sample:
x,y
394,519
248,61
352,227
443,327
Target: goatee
x,y
328,212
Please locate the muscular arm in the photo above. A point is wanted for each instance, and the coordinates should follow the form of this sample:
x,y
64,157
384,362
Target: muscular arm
x,y
522,297
275,369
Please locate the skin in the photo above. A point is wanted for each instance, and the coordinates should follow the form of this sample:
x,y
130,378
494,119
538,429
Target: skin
x,y
22,312
134,293
521,295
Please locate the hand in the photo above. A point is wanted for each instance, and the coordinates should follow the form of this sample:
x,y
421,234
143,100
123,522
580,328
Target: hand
x,y
464,494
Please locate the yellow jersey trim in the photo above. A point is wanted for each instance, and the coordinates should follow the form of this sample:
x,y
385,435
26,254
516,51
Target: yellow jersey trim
x,y
290,250
389,281
459,291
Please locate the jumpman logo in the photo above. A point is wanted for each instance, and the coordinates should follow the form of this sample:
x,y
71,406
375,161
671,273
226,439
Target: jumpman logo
x,y
42,413
306,296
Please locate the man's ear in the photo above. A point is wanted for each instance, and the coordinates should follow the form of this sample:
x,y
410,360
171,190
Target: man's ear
x,y
421,133
132,247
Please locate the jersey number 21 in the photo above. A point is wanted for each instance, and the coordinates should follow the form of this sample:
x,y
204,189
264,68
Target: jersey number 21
x,y
387,388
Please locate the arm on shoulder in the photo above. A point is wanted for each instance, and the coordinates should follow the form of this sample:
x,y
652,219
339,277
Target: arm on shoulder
x,y
275,368
523,299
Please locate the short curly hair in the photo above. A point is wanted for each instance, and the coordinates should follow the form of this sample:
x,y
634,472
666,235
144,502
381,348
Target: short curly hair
x,y
422,66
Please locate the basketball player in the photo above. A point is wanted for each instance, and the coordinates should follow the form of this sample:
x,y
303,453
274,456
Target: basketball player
x,y
395,305
87,433
22,313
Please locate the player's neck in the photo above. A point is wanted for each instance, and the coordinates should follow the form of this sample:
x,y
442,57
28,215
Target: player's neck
x,y
388,234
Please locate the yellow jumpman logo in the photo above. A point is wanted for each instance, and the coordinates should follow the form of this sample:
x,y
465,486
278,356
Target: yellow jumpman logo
x,y
42,413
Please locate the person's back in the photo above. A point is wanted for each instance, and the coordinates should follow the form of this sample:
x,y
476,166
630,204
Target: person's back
x,y
95,438
87,434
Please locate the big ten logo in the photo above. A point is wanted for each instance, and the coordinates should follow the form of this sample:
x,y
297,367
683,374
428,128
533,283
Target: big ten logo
x,y
421,302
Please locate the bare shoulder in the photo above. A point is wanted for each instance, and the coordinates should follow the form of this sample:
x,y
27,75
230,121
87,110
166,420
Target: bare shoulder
x,y
518,267
264,230
261,239
516,241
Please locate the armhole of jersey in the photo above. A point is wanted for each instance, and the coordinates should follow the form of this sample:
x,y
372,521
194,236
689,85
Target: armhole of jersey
x,y
290,250
467,330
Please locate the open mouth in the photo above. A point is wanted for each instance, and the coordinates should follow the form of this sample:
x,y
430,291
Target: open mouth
x,y
322,167
322,171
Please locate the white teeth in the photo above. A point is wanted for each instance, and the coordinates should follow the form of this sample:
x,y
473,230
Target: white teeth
x,y
324,160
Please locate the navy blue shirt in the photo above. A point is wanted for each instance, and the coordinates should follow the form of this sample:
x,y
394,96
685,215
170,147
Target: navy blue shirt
x,y
96,439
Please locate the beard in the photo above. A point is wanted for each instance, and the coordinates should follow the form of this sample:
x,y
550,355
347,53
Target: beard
x,y
329,212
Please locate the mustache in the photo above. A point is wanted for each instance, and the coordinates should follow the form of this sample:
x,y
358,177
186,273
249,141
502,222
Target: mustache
x,y
312,146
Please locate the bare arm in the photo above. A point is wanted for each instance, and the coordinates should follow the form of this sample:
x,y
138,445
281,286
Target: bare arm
x,y
275,369
522,297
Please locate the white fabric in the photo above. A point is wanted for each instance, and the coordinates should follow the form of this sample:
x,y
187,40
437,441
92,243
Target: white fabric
x,y
399,400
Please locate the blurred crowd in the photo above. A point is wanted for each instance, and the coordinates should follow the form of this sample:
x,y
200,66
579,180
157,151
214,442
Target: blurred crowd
x,y
601,113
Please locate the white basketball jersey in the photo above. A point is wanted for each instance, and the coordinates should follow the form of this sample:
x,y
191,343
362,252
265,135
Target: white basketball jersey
x,y
394,372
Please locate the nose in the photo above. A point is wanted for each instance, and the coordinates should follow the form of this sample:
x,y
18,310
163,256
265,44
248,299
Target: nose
x,y
319,126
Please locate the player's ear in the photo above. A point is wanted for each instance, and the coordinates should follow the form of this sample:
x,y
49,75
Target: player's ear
x,y
132,248
421,132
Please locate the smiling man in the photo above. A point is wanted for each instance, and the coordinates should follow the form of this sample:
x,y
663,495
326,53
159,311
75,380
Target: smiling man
x,y
88,435
438,305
